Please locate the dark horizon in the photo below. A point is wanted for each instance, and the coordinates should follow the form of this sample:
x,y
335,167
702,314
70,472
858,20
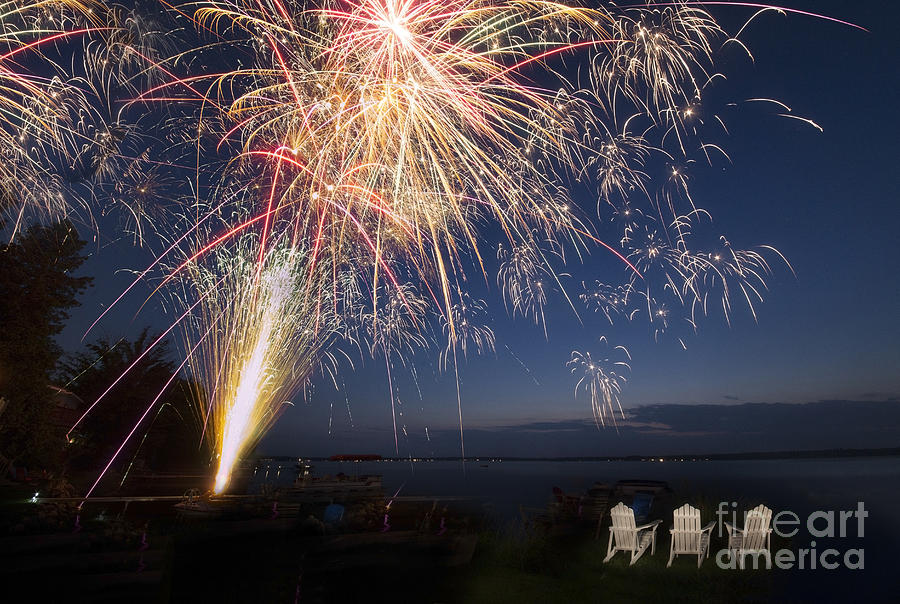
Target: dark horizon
x,y
746,455
648,431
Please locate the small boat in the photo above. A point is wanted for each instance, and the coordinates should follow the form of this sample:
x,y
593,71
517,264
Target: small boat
x,y
339,488
194,504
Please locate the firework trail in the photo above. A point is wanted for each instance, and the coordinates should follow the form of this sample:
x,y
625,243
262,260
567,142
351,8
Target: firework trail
x,y
466,328
681,283
395,328
69,70
524,282
271,328
602,380
662,59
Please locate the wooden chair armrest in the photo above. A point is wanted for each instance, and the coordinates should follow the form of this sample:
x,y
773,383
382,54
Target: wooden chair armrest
x,y
650,525
731,528
708,527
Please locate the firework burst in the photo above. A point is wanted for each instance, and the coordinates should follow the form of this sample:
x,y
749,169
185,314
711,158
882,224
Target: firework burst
x,y
395,121
601,380
524,281
40,107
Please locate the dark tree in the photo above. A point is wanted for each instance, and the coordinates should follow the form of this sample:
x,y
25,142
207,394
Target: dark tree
x,y
140,379
37,289
166,433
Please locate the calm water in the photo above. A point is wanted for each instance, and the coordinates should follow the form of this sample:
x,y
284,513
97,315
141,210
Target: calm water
x,y
802,486
795,484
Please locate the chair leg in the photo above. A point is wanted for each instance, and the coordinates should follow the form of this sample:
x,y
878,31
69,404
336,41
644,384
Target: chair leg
x,y
636,554
699,559
610,552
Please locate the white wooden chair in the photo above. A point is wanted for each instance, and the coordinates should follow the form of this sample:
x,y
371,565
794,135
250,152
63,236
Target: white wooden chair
x,y
687,536
754,538
628,537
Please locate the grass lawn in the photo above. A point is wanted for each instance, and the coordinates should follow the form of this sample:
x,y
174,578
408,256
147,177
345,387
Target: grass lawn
x,y
535,569
516,566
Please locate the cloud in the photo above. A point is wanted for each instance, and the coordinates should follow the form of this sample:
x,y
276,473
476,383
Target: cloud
x,y
693,429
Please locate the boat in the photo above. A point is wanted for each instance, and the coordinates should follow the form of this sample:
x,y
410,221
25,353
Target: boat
x,y
327,489
194,504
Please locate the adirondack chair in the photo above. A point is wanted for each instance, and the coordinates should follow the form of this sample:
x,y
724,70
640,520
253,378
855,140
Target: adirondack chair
x,y
687,536
628,537
754,538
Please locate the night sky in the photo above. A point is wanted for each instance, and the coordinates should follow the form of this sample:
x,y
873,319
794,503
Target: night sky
x,y
828,201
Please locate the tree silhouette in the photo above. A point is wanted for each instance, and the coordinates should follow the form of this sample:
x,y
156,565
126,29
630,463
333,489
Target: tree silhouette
x,y
37,290
166,435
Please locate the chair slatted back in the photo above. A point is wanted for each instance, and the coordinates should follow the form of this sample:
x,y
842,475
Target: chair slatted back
x,y
756,526
623,527
596,506
687,529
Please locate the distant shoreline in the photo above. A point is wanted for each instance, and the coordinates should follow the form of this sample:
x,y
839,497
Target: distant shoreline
x,y
753,455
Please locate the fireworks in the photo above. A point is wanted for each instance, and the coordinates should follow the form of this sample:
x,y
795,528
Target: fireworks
x,y
261,333
396,121
396,328
467,329
37,109
363,154
68,71
523,279
607,299
680,283
602,380
662,58
385,129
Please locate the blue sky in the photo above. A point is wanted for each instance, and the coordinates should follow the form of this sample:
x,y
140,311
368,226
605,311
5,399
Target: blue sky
x,y
827,200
